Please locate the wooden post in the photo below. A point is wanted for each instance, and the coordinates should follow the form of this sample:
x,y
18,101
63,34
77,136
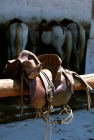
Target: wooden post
x,y
88,78
10,87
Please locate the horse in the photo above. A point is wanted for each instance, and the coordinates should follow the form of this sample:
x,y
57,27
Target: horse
x,y
49,84
51,33
78,41
16,33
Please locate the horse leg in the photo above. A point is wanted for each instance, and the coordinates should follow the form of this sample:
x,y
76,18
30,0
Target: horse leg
x,y
23,37
60,52
9,52
12,47
81,44
75,47
24,42
76,52
13,51
57,43
68,48
34,48
12,36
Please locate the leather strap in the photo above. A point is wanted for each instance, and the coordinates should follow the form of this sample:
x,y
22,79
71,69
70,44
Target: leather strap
x,y
44,82
49,86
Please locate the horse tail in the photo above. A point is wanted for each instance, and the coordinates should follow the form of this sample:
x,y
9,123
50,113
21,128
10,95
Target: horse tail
x,y
18,39
81,43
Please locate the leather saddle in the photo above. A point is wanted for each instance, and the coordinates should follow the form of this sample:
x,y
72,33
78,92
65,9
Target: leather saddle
x,y
51,62
66,21
15,20
44,26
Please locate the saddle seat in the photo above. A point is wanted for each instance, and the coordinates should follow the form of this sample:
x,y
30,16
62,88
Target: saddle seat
x,y
53,63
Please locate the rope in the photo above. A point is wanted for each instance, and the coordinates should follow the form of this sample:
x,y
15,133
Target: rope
x,y
48,125
21,105
50,88
68,119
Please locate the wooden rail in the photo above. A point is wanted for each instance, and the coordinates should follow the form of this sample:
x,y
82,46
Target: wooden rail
x,y
10,87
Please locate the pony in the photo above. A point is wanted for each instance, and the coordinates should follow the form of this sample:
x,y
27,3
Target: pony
x,y
78,41
49,84
16,33
51,33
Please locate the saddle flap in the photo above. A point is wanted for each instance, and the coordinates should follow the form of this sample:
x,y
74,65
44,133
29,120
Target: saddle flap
x,y
13,69
30,69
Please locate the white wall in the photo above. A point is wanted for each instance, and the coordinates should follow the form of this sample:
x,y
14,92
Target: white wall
x,y
35,10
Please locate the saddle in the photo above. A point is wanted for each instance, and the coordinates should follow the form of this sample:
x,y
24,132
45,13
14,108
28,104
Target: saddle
x,y
51,62
25,64
44,26
66,21
15,20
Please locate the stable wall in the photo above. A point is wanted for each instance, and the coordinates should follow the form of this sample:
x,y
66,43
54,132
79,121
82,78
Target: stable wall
x,y
35,10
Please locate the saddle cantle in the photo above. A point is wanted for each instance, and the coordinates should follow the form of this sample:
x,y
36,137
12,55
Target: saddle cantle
x,y
44,26
66,21
53,63
15,20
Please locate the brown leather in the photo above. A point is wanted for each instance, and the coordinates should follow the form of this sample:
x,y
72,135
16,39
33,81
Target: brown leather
x,y
46,26
15,20
30,69
27,55
63,88
51,62
14,67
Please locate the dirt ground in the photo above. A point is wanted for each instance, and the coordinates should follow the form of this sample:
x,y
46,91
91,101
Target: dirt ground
x,y
81,128
13,126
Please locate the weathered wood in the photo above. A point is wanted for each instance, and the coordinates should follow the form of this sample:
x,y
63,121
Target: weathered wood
x,y
10,87
88,78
